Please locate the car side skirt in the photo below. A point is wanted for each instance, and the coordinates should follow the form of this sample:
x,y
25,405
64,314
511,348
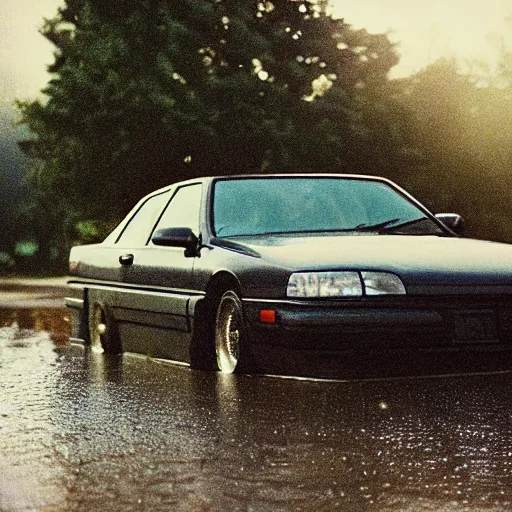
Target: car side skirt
x,y
155,322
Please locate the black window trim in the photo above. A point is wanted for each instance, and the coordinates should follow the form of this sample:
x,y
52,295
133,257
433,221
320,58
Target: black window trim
x,y
173,195
138,210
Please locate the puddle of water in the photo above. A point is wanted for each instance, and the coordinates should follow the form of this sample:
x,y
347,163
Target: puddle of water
x,y
52,320
86,431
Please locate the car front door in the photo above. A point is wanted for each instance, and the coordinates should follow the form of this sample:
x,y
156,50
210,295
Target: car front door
x,y
159,282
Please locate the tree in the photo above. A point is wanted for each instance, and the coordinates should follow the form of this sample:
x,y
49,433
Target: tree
x,y
461,129
147,92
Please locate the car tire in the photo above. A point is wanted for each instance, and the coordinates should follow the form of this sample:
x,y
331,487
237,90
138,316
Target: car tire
x,y
229,334
103,332
202,344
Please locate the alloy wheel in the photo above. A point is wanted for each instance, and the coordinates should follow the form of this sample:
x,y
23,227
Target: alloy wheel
x,y
228,332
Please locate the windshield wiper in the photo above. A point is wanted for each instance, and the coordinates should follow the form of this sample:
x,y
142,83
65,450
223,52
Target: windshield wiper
x,y
380,227
389,225
376,227
405,224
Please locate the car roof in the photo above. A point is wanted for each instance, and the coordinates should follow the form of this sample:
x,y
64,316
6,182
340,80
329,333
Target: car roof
x,y
297,175
209,179
277,175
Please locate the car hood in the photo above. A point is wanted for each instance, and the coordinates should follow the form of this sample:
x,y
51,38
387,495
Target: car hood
x,y
418,260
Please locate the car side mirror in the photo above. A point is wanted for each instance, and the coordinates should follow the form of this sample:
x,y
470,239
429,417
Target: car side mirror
x,y
453,222
177,237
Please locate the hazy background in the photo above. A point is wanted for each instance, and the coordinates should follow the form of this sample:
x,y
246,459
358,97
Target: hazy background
x,y
425,31
476,34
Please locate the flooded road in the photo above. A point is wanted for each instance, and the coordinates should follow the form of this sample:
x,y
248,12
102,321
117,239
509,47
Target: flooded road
x,y
81,431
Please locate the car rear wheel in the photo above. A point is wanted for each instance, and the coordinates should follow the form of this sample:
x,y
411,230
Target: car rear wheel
x,y
229,330
104,336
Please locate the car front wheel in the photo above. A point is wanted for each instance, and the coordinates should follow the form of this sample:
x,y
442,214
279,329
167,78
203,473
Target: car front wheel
x,y
229,330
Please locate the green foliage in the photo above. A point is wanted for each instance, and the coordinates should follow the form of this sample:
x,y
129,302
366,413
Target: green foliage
x,y
147,92
462,157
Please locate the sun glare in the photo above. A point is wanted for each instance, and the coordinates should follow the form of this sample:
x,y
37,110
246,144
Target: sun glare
x,y
427,31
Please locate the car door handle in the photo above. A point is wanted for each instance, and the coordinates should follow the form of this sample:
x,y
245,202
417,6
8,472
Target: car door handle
x,y
126,259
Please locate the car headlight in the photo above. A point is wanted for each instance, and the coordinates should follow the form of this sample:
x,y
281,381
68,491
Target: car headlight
x,y
343,284
324,284
382,283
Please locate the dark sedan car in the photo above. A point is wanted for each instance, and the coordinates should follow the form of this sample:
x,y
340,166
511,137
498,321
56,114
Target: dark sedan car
x,y
255,273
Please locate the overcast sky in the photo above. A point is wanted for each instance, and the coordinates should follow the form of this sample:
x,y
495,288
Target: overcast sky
x,y
425,29
24,53
429,29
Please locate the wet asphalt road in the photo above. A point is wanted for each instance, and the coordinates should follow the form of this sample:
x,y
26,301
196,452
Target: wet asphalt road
x,y
86,432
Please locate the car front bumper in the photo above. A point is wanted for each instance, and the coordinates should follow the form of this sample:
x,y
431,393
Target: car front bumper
x,y
382,337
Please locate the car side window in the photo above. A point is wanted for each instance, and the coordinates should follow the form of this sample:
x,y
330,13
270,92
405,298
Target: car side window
x,y
136,232
183,210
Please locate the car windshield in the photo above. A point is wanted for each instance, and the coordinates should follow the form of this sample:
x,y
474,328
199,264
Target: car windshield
x,y
257,206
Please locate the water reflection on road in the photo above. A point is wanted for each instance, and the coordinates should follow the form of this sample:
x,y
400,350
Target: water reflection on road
x,y
54,321
84,431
